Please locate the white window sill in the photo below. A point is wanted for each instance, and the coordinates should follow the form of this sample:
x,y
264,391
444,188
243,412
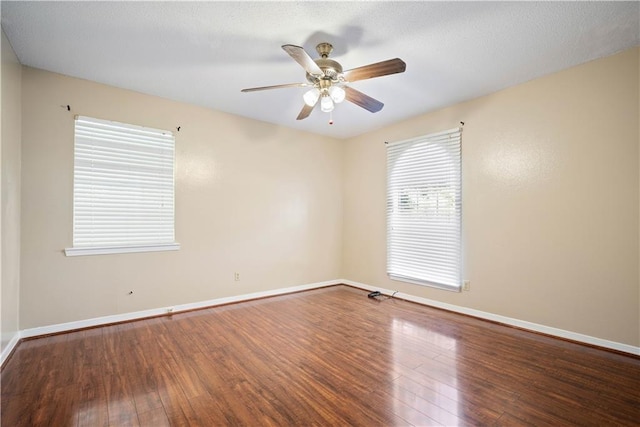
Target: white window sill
x,y
106,250
406,279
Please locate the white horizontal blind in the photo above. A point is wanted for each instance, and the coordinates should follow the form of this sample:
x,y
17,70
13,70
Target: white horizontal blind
x,y
424,210
123,187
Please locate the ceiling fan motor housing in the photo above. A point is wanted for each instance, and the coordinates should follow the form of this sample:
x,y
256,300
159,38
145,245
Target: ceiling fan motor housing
x,y
331,69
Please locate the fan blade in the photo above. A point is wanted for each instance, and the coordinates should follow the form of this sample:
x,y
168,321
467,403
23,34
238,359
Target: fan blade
x,y
254,89
304,113
379,69
303,58
362,100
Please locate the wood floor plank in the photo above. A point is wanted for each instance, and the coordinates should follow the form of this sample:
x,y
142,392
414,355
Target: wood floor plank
x,y
154,418
329,356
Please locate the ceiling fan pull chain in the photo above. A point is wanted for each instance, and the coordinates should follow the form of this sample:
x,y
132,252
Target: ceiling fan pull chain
x,y
331,117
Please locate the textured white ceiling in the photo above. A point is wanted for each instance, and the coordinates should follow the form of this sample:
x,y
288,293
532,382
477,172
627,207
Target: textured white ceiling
x,y
205,52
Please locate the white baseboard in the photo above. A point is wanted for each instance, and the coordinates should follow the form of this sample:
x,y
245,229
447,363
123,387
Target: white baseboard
x,y
587,339
64,327
116,318
9,347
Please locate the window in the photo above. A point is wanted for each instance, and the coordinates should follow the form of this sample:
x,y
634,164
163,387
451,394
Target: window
x,y
123,188
424,210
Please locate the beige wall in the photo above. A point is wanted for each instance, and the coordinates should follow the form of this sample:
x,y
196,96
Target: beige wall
x,y
551,197
550,200
10,181
251,197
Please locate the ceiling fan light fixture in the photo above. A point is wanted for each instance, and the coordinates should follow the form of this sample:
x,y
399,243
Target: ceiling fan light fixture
x,y
328,82
337,94
311,97
326,104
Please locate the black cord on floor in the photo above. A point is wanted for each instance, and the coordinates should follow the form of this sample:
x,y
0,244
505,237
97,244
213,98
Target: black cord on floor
x,y
377,295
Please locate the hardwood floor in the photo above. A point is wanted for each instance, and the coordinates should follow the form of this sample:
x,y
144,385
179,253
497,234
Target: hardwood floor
x,y
325,357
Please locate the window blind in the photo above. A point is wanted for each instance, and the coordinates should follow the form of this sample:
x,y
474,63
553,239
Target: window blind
x,y
123,188
424,186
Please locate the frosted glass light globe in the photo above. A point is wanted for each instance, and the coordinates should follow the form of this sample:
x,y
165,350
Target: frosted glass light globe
x,y
337,94
311,97
326,104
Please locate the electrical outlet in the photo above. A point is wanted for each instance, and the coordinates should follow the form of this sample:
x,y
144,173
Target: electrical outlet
x,y
236,276
466,285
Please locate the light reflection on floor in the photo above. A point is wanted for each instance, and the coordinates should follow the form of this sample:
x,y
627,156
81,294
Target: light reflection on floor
x,y
428,379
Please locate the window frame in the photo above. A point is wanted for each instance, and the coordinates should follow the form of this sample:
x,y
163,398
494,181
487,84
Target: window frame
x,y
104,151
419,203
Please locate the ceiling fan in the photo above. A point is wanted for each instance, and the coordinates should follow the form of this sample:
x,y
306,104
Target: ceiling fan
x,y
328,82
